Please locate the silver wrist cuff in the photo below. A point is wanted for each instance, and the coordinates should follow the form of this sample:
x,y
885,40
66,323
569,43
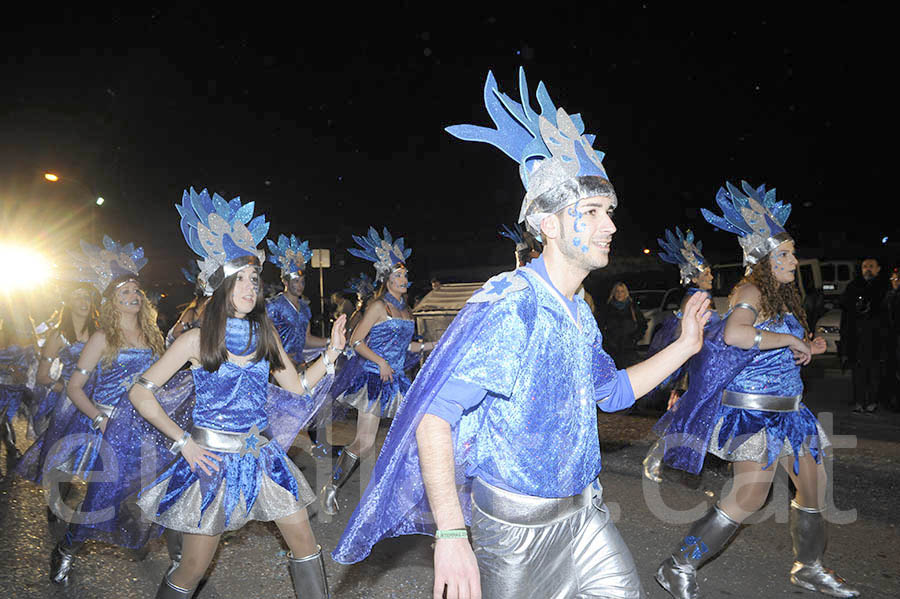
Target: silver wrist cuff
x,y
329,365
83,371
304,383
96,420
177,445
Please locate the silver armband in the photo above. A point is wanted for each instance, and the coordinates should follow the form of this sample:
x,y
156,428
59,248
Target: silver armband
x,y
148,385
177,445
83,371
47,359
757,339
747,306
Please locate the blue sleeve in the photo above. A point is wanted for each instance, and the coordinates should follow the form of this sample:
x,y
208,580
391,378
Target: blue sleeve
x,y
616,394
275,316
497,350
454,398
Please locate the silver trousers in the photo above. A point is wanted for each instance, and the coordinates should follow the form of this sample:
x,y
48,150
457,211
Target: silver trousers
x,y
565,548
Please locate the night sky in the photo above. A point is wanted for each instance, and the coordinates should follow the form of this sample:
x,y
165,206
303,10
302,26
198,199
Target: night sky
x,y
332,121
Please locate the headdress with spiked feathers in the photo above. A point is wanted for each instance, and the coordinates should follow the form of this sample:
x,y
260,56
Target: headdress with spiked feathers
x,y
224,234
679,249
557,164
362,285
384,252
99,266
754,215
290,255
515,235
192,275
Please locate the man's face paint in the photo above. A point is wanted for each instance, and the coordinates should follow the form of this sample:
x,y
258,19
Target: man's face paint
x,y
578,227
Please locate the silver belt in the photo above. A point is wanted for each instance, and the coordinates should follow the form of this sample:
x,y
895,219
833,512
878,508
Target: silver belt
x,y
526,510
764,403
108,410
230,442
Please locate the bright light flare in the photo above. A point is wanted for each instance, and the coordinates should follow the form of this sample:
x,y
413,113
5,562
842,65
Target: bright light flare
x,y
646,250
51,177
22,268
100,201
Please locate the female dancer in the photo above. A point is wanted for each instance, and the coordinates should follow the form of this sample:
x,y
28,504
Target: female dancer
x,y
373,381
696,275
230,471
190,316
744,404
77,322
126,344
18,352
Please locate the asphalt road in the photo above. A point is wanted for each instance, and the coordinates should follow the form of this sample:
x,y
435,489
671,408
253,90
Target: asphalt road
x,y
250,563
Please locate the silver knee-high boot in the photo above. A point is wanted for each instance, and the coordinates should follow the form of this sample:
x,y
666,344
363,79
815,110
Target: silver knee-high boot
x,y
167,590
343,470
61,560
653,462
707,536
808,535
308,574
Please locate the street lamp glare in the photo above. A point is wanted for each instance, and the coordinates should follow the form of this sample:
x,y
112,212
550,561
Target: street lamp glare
x,y
51,177
100,201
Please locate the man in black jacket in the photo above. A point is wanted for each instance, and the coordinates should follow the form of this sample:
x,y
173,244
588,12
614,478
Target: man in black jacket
x,y
864,329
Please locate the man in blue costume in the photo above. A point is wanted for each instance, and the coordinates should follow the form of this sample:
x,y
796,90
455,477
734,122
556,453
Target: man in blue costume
x,y
500,428
288,310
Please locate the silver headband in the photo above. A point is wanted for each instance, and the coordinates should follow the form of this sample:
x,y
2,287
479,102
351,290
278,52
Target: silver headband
x,y
565,194
762,249
231,267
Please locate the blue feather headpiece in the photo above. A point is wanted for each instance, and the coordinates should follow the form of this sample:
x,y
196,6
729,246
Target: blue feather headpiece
x,y
515,235
557,163
361,285
192,275
754,215
679,249
224,234
384,252
99,266
289,254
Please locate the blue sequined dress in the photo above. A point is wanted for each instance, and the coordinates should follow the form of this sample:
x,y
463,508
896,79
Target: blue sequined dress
x,y
359,383
668,332
292,325
53,416
246,487
49,400
699,423
110,462
15,388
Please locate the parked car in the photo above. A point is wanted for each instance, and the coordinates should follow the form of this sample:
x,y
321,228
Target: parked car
x,y
809,281
836,274
656,305
828,328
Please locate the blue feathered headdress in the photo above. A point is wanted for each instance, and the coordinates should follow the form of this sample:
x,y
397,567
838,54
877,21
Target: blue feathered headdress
x,y
754,215
362,285
551,149
224,234
384,252
515,235
100,265
679,249
289,254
